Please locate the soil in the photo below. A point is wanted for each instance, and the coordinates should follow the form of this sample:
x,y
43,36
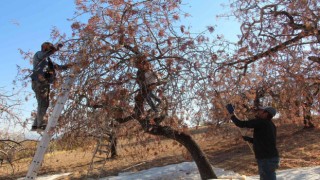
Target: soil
x,y
298,147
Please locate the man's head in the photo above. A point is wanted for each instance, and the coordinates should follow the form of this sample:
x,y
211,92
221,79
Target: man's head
x,y
46,46
266,112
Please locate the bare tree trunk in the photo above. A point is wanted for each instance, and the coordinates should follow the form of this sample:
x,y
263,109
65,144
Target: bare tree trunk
x,y
307,117
113,145
203,164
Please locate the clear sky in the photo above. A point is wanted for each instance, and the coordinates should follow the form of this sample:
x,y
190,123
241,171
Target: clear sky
x,y
25,24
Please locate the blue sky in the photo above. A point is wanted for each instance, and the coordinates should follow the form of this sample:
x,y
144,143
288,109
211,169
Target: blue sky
x,y
25,24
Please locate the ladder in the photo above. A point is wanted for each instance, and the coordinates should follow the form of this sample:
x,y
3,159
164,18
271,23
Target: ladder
x,y
101,154
52,122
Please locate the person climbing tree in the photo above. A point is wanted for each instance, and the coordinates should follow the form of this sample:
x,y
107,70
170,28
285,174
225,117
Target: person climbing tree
x,y
42,76
147,81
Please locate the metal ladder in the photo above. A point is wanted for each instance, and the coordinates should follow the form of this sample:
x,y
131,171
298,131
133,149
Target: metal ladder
x,y
52,122
101,154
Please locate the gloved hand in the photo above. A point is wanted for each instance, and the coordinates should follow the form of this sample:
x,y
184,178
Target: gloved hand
x,y
59,46
230,108
52,48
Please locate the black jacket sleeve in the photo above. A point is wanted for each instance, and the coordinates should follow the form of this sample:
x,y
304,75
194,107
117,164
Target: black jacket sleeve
x,y
245,124
61,67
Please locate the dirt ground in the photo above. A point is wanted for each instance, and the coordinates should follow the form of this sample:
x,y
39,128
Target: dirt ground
x,y
223,146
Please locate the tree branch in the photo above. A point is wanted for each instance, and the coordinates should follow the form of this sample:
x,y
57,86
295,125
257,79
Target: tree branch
x,y
270,51
314,59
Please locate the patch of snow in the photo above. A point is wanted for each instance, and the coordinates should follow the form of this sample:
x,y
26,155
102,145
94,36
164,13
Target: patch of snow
x,y
306,173
49,177
189,171
185,170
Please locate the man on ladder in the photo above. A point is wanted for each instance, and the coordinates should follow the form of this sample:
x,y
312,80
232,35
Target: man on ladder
x,y
54,116
42,76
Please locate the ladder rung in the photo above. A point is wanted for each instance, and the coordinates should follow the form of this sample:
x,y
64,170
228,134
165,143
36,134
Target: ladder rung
x,y
100,157
97,168
104,151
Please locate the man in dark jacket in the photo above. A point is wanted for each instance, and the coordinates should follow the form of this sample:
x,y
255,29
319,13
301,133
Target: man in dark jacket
x,y
42,76
264,140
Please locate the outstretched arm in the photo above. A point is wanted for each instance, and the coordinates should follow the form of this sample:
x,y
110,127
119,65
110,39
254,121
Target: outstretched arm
x,y
43,55
242,124
49,52
63,67
245,124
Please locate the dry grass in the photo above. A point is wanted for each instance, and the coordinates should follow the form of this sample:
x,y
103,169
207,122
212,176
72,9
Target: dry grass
x,y
298,148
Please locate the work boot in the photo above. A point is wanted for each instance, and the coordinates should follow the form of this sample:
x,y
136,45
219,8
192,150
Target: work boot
x,y
34,126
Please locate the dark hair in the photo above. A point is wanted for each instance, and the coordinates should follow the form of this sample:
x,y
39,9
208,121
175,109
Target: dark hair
x,y
269,116
46,45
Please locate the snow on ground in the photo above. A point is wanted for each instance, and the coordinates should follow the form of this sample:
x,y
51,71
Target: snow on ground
x,y
185,170
189,171
307,173
49,177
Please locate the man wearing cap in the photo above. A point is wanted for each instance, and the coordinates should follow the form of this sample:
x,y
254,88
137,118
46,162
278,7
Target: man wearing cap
x,y
264,140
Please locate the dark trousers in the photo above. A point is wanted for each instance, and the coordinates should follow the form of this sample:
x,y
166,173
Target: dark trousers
x,y
41,90
149,98
146,94
267,168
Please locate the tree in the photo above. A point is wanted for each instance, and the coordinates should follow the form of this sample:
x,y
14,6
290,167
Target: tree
x,y
280,42
9,148
109,52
